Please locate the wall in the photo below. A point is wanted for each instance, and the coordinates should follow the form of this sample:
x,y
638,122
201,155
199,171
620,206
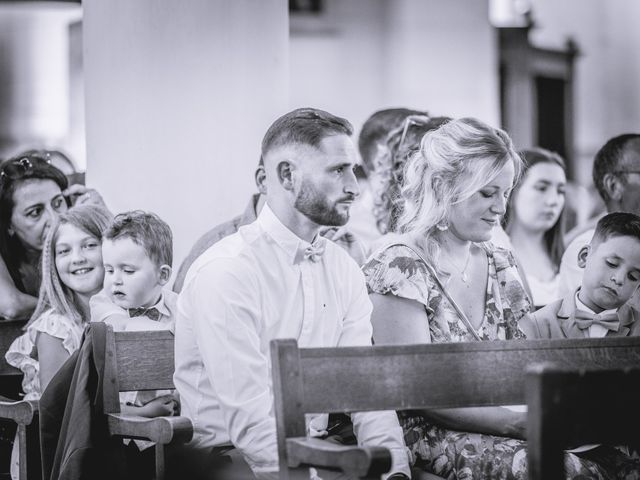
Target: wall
x,y
177,101
607,99
363,55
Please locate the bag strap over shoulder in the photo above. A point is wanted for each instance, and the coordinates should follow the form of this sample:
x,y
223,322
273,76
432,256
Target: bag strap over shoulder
x,y
436,279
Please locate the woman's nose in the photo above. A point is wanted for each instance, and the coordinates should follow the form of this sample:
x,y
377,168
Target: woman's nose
x,y
499,207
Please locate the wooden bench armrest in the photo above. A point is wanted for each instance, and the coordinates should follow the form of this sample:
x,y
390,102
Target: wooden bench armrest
x,y
355,461
20,411
162,430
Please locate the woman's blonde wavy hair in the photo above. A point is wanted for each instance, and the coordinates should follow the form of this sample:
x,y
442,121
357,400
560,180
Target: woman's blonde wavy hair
x,y
454,161
55,295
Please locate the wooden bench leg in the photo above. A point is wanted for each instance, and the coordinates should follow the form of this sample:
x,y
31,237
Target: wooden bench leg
x,y
22,451
159,461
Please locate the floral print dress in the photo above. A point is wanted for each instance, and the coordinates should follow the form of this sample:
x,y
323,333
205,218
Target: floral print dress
x,y
397,270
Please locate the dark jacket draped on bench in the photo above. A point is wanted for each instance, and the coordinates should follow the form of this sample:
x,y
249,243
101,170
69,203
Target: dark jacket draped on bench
x,y
73,430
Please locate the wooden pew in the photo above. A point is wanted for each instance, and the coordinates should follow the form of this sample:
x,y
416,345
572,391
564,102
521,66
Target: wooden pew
x,y
141,361
321,380
573,406
22,412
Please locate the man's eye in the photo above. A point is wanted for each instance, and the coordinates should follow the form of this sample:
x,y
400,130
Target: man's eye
x,y
339,170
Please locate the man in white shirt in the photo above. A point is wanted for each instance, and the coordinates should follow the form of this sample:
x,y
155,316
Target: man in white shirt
x,y
616,175
276,278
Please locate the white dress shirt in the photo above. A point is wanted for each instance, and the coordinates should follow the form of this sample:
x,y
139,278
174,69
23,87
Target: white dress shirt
x,y
240,294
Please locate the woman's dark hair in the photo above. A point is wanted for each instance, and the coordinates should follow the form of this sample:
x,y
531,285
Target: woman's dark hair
x,y
554,237
13,172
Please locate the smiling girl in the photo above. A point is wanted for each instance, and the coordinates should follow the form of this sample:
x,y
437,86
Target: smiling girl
x,y
72,273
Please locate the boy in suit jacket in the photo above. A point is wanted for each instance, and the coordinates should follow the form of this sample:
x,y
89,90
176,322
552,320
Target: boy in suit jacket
x,y
599,308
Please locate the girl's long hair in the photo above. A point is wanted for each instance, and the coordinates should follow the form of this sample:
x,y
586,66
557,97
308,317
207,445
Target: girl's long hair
x,y
55,295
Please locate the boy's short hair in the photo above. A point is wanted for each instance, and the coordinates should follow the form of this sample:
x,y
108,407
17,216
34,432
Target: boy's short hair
x,y
617,224
147,230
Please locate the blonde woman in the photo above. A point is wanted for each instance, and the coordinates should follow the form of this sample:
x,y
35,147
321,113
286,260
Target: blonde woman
x,y
444,282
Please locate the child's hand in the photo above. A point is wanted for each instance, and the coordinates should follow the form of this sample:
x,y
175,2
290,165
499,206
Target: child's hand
x,y
158,407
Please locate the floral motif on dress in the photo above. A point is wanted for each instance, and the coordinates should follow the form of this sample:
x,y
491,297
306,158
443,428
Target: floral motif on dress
x,y
397,270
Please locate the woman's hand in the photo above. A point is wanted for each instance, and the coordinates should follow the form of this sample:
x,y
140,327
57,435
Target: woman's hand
x,y
162,406
81,195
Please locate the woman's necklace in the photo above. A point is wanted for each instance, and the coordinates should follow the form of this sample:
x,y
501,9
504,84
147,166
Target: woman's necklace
x,y
462,271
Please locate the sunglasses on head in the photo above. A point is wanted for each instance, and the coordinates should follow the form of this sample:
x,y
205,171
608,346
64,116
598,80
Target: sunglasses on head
x,y
410,121
19,167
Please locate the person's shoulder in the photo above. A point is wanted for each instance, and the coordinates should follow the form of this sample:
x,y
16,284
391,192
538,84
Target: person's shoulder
x,y
233,256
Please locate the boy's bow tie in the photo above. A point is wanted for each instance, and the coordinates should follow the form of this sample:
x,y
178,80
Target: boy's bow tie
x,y
313,252
151,312
610,321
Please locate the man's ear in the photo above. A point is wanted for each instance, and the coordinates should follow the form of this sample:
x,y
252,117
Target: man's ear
x,y
261,180
285,171
614,186
582,255
165,274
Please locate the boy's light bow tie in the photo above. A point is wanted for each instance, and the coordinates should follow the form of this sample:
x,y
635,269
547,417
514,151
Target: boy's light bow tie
x,y
610,321
151,313
313,252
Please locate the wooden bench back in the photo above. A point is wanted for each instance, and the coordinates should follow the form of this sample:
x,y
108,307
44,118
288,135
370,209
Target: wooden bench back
x,y
569,407
137,361
319,380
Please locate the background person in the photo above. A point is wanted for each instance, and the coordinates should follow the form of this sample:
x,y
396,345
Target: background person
x,y
534,221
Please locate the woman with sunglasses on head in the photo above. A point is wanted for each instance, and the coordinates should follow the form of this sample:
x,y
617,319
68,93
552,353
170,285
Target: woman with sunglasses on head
x,y
32,194
534,221
443,281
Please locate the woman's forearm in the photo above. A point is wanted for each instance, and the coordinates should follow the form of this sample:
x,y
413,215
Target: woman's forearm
x,y
17,305
488,420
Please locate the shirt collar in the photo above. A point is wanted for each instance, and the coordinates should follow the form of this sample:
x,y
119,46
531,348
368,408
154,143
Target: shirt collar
x,y
161,306
582,306
285,238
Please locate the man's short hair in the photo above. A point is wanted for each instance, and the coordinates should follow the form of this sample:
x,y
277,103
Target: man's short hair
x,y
608,160
147,230
376,128
304,126
617,224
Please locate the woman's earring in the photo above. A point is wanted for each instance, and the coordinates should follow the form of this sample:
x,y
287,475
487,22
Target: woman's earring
x,y
442,226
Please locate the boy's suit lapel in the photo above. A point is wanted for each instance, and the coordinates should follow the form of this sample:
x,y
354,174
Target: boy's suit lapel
x,y
627,315
567,319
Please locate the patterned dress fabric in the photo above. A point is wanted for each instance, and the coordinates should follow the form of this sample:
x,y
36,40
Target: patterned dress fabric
x,y
397,270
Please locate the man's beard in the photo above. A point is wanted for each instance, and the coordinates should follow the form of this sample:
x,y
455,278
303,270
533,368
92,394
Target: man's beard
x,y
315,206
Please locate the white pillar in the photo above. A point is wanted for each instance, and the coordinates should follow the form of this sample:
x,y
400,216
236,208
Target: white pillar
x,y
34,74
178,97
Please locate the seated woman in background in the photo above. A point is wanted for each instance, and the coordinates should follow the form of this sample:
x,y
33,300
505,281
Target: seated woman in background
x,y
401,143
535,221
444,282
32,194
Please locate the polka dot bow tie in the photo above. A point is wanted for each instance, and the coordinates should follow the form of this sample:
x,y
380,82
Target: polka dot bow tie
x,y
151,313
610,321
313,252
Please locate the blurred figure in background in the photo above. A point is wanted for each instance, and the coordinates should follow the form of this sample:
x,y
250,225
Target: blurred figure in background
x,y
534,222
372,147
